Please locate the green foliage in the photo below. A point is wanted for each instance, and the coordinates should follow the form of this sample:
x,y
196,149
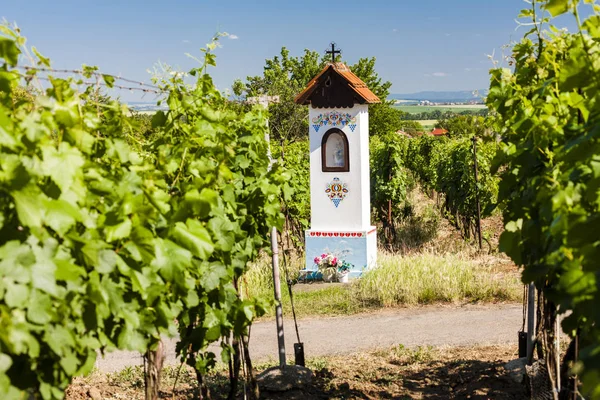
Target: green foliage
x,y
549,115
390,181
296,159
413,128
104,247
440,164
439,112
447,166
384,119
463,126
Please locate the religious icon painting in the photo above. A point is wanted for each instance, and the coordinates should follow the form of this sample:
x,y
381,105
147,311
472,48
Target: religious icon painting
x,y
337,191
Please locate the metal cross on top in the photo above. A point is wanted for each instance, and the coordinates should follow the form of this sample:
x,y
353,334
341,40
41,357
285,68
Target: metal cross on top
x,y
333,52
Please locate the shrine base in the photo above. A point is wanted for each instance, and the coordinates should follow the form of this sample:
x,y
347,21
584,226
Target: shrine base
x,y
358,248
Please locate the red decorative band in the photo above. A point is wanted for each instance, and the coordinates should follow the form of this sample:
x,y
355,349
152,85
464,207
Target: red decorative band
x,y
335,234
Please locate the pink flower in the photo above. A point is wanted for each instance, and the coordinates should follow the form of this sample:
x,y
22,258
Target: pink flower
x,y
317,260
334,261
323,255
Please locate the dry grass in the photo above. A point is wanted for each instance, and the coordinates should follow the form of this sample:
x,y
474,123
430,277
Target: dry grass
x,y
397,281
428,278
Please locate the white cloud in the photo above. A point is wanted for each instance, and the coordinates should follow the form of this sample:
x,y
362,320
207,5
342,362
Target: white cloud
x,y
233,37
394,30
447,34
440,74
186,41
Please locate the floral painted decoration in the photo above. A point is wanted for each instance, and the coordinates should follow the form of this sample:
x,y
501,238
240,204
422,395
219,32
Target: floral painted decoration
x,y
336,191
334,119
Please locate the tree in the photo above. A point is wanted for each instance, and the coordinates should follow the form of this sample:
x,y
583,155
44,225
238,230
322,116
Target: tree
x,y
412,127
287,76
384,119
463,125
365,70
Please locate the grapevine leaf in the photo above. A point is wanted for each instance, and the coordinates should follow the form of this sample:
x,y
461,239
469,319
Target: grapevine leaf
x,y
29,206
194,237
16,294
118,231
39,309
211,276
107,261
592,25
61,215
70,363
109,80
67,271
43,277
158,119
9,51
5,362
172,260
43,60
509,244
131,340
557,7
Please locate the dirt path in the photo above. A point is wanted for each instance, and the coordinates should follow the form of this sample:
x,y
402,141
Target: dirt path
x,y
432,325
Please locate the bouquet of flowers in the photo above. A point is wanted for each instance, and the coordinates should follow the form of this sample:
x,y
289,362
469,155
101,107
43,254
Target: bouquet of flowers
x,y
330,266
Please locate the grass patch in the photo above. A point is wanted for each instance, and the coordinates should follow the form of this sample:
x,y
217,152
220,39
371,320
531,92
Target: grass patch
x,y
430,278
397,281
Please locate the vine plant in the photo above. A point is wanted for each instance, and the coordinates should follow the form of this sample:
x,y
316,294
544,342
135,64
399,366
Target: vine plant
x,y
548,113
447,166
104,245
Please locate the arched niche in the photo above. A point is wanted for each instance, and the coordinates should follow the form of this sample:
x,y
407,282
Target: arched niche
x,y
335,155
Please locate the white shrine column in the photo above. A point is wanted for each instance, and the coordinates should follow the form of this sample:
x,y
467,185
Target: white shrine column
x,y
339,169
353,211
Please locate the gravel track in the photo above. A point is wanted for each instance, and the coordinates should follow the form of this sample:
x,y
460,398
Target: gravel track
x,y
430,325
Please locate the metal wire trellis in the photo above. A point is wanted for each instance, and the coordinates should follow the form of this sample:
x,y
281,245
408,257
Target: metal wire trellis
x,y
141,86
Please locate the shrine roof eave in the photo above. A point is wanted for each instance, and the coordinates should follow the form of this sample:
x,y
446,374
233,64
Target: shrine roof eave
x,y
363,94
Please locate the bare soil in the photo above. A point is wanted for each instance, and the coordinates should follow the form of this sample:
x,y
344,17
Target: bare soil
x,y
469,372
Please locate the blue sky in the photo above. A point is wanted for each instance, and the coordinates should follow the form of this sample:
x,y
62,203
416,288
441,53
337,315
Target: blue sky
x,y
419,45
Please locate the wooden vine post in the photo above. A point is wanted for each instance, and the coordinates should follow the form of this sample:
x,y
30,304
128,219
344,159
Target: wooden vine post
x,y
264,102
477,191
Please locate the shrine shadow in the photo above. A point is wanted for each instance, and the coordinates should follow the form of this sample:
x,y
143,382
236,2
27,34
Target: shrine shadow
x,y
411,232
459,379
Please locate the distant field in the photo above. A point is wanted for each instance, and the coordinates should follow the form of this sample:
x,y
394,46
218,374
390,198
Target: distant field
x,y
427,123
149,112
455,108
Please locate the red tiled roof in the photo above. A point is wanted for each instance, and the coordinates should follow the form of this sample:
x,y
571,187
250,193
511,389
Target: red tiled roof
x,y
354,82
439,132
